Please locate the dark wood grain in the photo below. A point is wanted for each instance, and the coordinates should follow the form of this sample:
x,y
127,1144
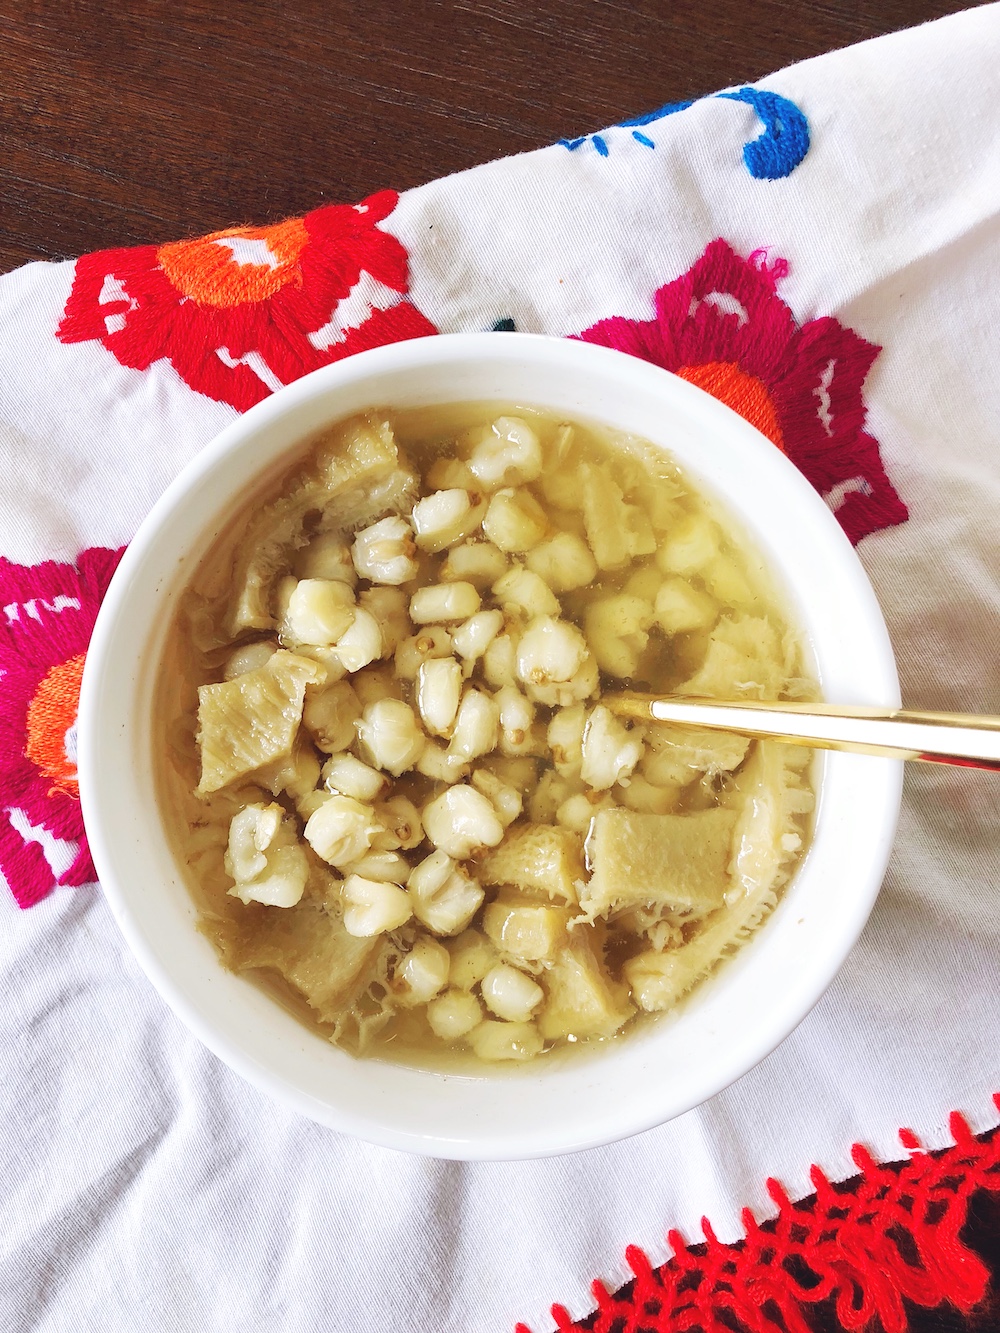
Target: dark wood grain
x,y
150,120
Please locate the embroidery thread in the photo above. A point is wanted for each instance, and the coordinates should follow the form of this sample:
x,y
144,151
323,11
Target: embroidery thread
x,y
784,142
47,614
243,311
723,326
889,1235
775,153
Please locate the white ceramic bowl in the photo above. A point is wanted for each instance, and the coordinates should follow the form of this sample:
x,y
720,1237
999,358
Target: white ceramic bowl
x,y
731,1022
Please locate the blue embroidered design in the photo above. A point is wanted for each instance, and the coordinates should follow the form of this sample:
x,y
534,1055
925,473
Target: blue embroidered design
x,y
648,119
785,139
775,153
504,325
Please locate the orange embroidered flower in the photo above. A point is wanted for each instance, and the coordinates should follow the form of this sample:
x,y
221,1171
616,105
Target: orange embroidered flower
x,y
50,719
208,271
47,613
744,393
243,311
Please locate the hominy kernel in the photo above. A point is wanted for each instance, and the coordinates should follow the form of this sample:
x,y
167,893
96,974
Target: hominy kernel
x,y
453,1014
444,602
372,907
385,553
423,973
514,521
462,821
510,993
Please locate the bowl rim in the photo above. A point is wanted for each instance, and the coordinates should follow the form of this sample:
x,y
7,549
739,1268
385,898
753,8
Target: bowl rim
x,y
386,361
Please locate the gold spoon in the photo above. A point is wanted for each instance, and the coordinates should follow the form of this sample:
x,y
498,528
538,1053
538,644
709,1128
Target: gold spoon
x,y
965,739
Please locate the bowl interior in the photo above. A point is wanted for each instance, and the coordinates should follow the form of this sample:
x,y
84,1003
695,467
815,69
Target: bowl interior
x,y
558,1105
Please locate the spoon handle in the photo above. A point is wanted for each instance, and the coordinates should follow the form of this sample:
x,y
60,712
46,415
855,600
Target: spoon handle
x,y
966,739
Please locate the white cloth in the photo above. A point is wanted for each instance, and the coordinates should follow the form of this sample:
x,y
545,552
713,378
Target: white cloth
x,y
145,1185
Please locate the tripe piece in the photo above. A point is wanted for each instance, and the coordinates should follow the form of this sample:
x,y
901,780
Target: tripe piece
x,y
310,947
658,980
537,858
514,521
364,475
252,720
676,756
565,562
747,658
359,476
524,931
582,1001
681,861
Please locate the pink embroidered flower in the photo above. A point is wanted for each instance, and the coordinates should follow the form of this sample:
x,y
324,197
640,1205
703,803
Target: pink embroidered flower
x,y
243,311
47,613
723,326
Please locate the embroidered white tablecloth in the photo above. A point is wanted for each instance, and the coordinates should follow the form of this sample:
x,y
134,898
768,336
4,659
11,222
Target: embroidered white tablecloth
x,y
823,252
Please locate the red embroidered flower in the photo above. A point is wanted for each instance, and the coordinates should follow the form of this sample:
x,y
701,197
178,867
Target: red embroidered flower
x,y
723,326
244,311
47,613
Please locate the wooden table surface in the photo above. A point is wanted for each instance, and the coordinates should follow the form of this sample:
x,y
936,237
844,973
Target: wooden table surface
x,y
148,121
